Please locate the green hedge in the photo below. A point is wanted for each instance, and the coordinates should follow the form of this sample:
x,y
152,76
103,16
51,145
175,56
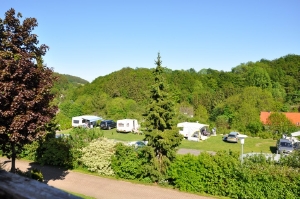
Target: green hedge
x,y
63,151
223,175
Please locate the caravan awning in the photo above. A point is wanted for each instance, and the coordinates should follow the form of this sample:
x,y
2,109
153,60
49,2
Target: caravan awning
x,y
92,118
295,134
192,124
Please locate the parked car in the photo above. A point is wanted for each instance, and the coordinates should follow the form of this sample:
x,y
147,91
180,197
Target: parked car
x,y
297,145
285,146
137,144
108,124
62,135
231,137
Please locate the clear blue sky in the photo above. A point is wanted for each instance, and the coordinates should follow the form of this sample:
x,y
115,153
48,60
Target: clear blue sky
x,y
94,38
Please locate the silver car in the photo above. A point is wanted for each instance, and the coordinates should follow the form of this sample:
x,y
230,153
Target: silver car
x,y
285,146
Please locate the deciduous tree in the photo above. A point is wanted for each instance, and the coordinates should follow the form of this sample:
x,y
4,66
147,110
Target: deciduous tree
x,y
25,85
279,124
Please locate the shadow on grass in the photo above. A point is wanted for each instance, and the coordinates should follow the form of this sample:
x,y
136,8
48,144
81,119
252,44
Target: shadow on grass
x,y
273,149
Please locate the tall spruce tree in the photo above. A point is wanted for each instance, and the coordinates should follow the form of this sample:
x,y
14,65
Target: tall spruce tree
x,y
163,139
25,85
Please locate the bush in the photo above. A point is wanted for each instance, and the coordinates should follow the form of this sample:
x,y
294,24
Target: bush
x,y
126,163
265,135
223,175
63,151
29,151
132,163
56,152
96,157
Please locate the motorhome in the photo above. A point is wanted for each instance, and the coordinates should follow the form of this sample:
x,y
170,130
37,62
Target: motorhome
x,y
128,125
88,121
193,130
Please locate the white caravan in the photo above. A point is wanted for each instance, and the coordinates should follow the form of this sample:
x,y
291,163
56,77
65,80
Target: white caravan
x,y
85,121
128,125
193,130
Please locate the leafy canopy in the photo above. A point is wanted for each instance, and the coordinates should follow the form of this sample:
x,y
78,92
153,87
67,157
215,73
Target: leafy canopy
x,y
25,85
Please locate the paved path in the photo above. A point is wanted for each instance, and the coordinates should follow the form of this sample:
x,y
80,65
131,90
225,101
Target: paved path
x,y
98,187
193,151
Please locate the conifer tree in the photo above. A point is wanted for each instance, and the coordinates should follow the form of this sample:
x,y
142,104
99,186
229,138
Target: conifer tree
x,y
160,134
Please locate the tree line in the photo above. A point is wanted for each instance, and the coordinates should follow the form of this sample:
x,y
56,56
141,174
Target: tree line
x,y
158,97
226,100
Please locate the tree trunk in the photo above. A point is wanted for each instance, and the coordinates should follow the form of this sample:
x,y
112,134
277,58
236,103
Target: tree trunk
x,y
13,158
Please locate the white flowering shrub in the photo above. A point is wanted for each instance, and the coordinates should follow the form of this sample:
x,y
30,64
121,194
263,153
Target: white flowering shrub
x,y
97,156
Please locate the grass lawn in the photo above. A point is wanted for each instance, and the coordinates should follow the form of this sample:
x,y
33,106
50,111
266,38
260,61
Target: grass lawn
x,y
112,134
79,195
213,143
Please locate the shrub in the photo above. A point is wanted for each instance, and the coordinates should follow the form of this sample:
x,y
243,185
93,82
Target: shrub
x,y
80,138
29,151
125,162
132,163
97,156
223,175
265,135
63,151
56,152
292,160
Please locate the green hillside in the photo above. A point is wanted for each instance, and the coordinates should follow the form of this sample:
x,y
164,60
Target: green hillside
x,y
227,100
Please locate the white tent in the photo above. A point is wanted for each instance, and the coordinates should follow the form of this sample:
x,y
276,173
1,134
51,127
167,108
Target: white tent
x,y
192,130
191,124
295,134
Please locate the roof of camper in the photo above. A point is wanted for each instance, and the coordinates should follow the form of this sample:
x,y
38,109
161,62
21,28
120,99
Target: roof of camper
x,y
91,118
295,134
125,120
194,124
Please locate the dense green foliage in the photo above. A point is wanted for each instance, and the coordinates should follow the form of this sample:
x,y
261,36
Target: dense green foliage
x,y
278,122
162,139
133,163
160,111
226,100
223,175
64,151
56,152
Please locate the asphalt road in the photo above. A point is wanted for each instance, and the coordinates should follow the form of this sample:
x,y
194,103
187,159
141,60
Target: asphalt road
x,y
99,187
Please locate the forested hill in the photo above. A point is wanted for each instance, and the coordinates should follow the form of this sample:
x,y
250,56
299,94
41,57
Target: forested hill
x,y
65,84
226,99
72,79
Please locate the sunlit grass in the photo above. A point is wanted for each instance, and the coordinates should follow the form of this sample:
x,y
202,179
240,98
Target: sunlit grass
x,y
79,195
112,134
213,143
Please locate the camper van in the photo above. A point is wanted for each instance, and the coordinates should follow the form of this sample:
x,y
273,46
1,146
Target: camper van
x,y
128,125
87,121
193,130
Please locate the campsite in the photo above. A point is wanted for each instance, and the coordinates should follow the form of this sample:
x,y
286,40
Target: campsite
x,y
193,133
214,143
